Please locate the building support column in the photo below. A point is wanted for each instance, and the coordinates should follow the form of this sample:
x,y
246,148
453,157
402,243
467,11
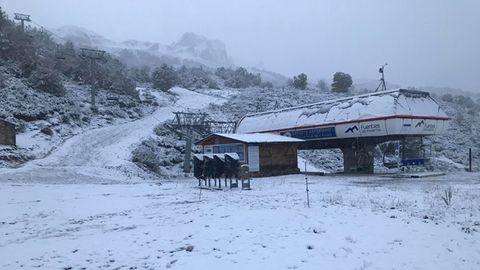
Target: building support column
x,y
358,158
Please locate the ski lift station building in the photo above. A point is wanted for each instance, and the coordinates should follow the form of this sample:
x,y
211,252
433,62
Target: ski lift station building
x,y
353,124
266,154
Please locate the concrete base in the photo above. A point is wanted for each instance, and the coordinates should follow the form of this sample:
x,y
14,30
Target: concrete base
x,y
358,159
417,175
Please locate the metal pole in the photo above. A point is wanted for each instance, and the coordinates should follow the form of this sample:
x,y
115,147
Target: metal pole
x,y
92,85
92,55
188,152
306,186
397,153
470,159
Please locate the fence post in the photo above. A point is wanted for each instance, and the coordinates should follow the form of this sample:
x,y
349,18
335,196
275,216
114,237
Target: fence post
x,y
306,186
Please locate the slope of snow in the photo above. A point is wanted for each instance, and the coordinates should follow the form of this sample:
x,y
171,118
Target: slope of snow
x,y
353,223
104,154
276,79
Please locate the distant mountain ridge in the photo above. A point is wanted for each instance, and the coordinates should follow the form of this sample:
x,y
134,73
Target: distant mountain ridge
x,y
190,50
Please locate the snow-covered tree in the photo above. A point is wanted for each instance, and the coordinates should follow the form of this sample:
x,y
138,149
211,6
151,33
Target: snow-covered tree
x,y
239,78
195,78
164,77
300,81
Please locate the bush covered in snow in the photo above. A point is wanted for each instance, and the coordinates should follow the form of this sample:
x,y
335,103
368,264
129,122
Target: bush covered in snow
x,y
21,103
160,154
253,100
329,160
47,80
450,150
196,78
239,78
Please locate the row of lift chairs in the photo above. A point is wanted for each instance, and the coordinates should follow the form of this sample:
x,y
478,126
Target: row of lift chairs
x,y
213,169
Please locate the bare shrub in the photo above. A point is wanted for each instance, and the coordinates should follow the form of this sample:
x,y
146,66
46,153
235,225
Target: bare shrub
x,y
447,196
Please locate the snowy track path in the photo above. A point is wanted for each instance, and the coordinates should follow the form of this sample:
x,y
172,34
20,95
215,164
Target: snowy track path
x,y
103,154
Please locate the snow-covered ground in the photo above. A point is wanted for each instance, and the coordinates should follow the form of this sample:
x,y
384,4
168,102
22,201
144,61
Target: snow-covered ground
x,y
104,154
367,222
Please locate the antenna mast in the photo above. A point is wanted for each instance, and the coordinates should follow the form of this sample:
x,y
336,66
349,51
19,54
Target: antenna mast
x,y
382,85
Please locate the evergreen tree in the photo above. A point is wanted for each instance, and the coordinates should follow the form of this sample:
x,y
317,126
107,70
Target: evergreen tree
x,y
300,81
341,82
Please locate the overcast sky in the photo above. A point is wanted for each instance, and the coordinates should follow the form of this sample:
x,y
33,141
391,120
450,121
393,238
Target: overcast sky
x,y
425,43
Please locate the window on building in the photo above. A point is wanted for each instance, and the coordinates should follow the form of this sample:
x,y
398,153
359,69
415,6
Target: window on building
x,y
230,148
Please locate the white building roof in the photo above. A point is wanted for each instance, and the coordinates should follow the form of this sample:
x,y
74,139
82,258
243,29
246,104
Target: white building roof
x,y
256,137
391,103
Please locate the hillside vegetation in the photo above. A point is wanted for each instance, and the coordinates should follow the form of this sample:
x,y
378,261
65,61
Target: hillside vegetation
x,y
33,55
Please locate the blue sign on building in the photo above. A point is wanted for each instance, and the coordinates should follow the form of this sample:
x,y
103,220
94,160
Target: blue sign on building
x,y
310,134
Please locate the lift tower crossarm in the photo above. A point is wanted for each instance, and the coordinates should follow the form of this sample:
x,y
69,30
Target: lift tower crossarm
x,y
23,18
93,56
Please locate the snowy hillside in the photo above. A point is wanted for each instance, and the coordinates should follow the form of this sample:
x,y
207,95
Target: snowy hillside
x,y
45,121
103,153
451,149
277,79
190,50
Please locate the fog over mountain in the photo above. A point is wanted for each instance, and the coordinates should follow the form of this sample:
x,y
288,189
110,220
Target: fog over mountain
x,y
191,49
426,43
